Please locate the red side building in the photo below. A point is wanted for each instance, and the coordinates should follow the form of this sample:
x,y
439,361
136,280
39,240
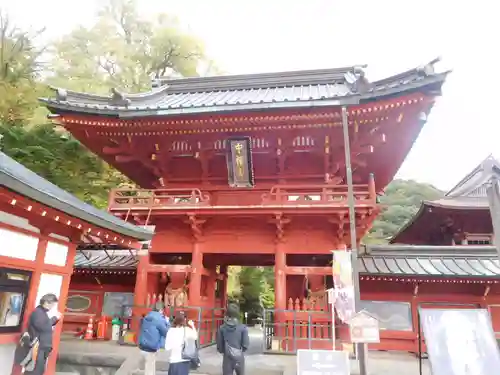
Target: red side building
x,y
443,258
40,227
248,170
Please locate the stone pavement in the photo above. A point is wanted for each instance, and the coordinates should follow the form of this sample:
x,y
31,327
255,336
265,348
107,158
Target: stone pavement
x,y
93,358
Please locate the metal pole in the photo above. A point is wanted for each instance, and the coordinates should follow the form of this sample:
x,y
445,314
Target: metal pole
x,y
361,349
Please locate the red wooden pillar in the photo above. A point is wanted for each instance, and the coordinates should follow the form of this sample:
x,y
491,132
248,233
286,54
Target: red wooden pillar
x,y
211,286
223,272
63,297
280,276
31,302
140,291
280,289
141,281
195,279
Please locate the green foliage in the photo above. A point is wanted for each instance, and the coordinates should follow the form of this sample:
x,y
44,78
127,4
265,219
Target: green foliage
x,y
255,291
125,51
62,160
400,202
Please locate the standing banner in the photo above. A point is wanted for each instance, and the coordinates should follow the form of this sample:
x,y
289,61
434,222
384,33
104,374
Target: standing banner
x,y
343,285
460,341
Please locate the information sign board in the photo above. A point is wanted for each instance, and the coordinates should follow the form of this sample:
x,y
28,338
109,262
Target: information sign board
x,y
322,362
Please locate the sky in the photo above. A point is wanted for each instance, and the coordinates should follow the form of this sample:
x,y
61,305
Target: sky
x,y
389,35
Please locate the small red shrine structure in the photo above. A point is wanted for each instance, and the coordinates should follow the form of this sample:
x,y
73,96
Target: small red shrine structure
x,y
249,170
40,227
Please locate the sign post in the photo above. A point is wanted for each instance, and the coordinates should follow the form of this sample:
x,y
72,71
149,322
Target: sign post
x,y
362,354
331,302
364,328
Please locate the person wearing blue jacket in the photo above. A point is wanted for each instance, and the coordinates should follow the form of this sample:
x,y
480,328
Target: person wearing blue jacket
x,y
154,328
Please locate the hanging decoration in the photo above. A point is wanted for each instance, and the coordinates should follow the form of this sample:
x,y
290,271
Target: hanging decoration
x,y
343,285
239,162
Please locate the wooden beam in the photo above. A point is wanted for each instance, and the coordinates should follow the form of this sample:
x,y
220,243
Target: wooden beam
x,y
175,268
322,271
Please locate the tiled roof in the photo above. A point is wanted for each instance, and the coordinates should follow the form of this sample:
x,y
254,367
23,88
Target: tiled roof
x,y
21,180
436,261
106,259
253,91
422,261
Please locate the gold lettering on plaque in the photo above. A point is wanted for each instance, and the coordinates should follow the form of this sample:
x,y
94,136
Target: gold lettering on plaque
x,y
239,159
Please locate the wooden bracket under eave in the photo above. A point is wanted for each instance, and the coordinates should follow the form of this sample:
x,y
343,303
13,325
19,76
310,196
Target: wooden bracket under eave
x,y
415,290
486,291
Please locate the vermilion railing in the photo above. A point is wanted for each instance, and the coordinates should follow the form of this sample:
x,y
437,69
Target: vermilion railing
x,y
279,195
142,198
291,195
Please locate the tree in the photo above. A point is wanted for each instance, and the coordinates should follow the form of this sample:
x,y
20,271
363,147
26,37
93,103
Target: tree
x,y
400,202
125,51
19,68
62,160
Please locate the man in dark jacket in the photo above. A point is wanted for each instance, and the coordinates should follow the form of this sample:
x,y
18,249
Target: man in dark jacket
x,y
233,342
40,327
154,327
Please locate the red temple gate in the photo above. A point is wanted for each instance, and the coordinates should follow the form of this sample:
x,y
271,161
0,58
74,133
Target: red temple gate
x,y
249,170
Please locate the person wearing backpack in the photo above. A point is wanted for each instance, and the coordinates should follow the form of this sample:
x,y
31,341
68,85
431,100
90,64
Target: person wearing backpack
x,y
233,342
154,328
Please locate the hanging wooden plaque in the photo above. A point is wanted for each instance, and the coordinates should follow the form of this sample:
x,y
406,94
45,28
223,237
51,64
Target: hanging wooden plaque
x,y
239,162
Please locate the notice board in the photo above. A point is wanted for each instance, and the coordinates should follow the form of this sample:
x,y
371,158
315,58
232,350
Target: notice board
x,y
460,341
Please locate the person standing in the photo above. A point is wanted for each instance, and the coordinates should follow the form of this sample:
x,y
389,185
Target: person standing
x,y
40,330
232,342
154,328
183,335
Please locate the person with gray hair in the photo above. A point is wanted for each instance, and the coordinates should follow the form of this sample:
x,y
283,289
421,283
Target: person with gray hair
x,y
40,331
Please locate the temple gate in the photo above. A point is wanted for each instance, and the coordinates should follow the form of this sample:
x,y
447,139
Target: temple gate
x,y
249,170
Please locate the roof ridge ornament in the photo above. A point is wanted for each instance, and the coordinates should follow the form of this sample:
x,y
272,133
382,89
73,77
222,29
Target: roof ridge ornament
x,y
356,80
61,94
428,69
118,98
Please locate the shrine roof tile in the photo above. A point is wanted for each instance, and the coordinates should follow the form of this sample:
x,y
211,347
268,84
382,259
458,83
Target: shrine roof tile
x,y
325,87
106,259
435,261
25,182
388,260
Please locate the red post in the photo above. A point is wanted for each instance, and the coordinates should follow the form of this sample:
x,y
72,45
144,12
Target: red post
x,y
223,272
195,279
280,289
63,297
280,277
371,188
140,291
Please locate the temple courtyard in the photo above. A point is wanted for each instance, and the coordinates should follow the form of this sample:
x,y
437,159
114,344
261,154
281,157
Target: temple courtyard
x,y
107,358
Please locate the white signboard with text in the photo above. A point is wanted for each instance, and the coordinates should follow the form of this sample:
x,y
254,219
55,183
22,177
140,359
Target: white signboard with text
x,y
364,328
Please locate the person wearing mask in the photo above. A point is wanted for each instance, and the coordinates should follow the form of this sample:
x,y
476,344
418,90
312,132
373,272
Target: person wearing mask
x,y
232,342
40,331
181,336
154,329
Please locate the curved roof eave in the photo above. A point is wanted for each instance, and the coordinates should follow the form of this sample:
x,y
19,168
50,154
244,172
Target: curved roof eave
x,y
19,179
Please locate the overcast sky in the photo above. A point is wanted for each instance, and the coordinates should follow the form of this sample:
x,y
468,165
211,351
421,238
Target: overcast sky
x,y
389,35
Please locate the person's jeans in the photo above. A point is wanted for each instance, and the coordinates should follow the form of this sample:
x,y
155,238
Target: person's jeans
x,y
149,363
179,368
41,362
229,366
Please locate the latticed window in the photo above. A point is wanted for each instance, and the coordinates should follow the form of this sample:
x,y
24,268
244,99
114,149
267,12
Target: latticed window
x,y
479,239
